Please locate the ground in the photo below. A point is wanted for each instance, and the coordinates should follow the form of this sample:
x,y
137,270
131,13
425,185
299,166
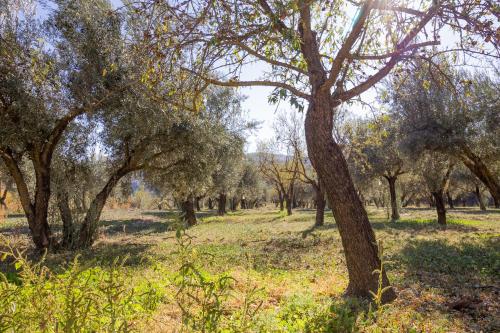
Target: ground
x,y
447,280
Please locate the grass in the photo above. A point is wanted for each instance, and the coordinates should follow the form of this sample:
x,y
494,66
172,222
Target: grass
x,y
300,270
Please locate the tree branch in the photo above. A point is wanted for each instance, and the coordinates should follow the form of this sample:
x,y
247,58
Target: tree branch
x,y
372,80
254,83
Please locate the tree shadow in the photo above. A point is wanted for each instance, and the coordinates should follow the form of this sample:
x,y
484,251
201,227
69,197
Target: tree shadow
x,y
425,225
474,260
15,215
14,230
313,228
174,214
489,211
135,226
465,275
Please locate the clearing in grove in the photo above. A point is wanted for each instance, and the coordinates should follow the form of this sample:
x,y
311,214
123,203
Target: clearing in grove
x,y
447,280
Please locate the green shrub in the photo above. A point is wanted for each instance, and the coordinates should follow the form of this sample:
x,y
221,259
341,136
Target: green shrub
x,y
35,299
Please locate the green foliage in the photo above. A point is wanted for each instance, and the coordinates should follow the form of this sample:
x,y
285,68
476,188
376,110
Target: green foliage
x,y
200,296
96,299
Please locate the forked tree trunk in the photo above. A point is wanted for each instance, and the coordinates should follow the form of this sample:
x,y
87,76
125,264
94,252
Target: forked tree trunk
x,y
479,197
394,200
221,205
320,206
358,238
440,207
210,203
189,216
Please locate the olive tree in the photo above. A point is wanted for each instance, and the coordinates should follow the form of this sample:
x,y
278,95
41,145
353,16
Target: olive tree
x,y
377,147
318,55
456,113
51,74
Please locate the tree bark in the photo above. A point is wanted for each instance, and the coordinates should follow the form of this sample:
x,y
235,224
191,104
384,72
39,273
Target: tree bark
x,y
3,197
221,209
320,207
288,203
189,216
281,201
88,229
478,168
479,197
440,207
394,200
234,204
67,219
358,238
36,213
210,203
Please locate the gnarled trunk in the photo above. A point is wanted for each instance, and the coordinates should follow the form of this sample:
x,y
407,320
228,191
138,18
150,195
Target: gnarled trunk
x,y
358,238
394,200
36,212
440,207
189,215
221,205
320,207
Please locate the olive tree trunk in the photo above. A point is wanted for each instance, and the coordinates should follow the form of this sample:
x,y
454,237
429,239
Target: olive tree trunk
x,y
358,238
394,198
288,204
440,207
36,212
320,206
221,205
67,219
88,230
281,201
479,197
189,216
